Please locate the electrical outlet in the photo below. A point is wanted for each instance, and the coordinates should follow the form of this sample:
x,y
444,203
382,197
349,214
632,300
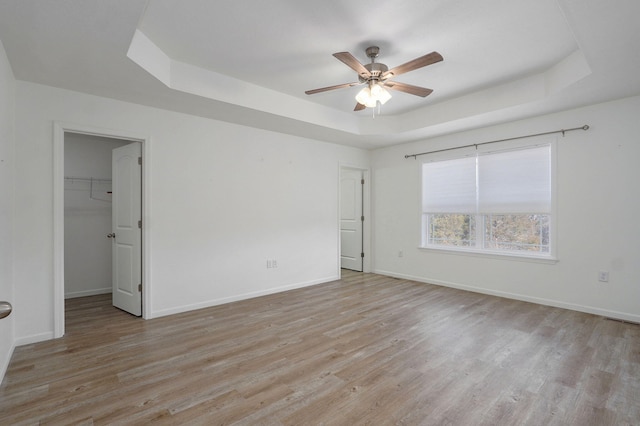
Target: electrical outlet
x,y
400,253
603,276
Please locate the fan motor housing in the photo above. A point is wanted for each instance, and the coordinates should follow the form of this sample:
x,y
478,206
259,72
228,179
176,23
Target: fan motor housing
x,y
376,69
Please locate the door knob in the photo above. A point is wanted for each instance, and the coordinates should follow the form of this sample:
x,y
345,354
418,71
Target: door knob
x,y
5,309
111,235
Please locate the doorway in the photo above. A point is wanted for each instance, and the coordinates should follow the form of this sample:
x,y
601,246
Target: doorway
x,y
88,214
85,145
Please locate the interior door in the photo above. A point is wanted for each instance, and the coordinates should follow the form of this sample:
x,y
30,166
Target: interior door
x,y
351,184
126,228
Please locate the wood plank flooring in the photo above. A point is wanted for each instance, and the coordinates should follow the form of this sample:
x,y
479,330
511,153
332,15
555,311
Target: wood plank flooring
x,y
366,349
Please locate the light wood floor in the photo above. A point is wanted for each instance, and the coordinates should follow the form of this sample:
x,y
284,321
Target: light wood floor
x,y
366,349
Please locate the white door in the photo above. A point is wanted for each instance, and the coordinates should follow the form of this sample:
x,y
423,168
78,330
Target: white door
x,y
351,184
126,228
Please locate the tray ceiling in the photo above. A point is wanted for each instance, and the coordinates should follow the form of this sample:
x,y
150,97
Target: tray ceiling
x,y
250,62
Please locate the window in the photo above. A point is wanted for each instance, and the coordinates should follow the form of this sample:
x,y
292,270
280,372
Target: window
x,y
497,202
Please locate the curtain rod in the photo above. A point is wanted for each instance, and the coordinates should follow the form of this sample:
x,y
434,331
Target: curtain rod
x,y
563,131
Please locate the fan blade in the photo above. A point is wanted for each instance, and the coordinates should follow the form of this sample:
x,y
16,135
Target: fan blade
x,y
359,107
420,62
408,88
325,89
353,63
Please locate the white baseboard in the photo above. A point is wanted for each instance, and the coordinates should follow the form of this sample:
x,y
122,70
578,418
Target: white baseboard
x,y
244,296
7,360
541,301
84,293
35,338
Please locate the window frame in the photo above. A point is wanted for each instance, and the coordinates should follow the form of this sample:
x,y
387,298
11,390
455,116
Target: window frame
x,y
480,225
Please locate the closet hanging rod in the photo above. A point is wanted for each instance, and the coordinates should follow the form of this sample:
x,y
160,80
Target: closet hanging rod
x,y
563,131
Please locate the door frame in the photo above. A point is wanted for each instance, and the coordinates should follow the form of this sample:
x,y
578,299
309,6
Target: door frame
x,y
367,263
59,130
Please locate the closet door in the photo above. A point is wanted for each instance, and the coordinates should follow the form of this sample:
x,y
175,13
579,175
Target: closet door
x,y
126,228
351,249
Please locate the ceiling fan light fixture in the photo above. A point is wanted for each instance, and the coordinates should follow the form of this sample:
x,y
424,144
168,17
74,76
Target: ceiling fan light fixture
x,y
371,103
369,96
380,93
364,95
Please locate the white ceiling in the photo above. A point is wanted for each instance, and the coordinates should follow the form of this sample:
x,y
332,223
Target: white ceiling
x,y
249,62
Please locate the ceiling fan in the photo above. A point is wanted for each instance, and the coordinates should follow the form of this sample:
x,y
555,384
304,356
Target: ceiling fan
x,y
377,77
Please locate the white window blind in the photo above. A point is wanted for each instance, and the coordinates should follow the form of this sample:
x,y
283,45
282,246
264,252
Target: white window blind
x,y
449,186
515,181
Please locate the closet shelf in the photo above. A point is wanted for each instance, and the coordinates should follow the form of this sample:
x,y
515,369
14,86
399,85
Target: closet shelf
x,y
98,188
86,179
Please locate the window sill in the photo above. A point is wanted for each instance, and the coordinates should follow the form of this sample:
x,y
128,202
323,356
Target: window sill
x,y
492,255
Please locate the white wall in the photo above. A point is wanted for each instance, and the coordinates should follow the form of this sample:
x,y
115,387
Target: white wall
x,y
7,100
87,216
224,199
597,224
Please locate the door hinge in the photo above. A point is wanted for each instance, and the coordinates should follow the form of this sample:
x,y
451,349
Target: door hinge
x,y
361,218
140,161
139,224
361,254
140,287
361,181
